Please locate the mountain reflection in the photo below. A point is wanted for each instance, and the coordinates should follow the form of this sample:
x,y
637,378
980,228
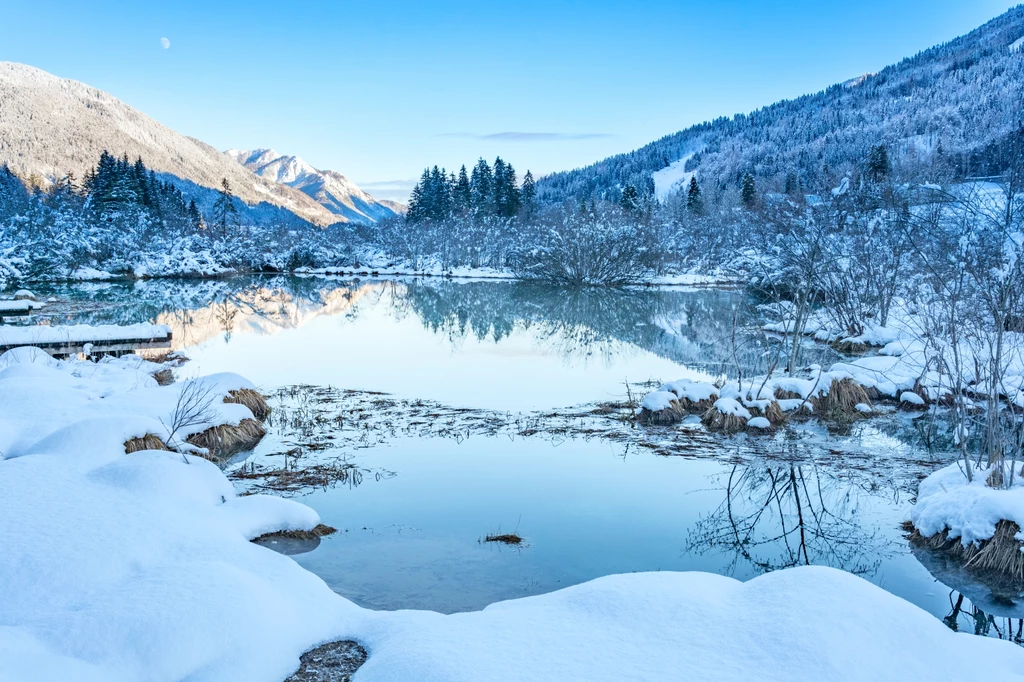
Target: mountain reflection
x,y
709,330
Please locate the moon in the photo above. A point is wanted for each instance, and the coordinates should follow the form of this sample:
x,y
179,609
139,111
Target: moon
x,y
165,43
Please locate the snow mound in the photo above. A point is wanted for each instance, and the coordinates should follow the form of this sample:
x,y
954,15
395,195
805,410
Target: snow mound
x,y
807,623
656,401
970,511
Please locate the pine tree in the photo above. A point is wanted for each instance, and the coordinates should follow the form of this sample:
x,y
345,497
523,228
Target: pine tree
x,y
481,186
462,194
792,184
528,196
195,218
878,163
225,215
630,200
694,200
417,199
748,193
506,195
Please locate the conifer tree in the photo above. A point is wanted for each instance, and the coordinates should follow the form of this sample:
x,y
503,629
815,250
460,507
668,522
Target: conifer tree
x,y
878,163
748,194
417,206
694,200
225,215
194,217
792,184
630,200
462,194
481,188
528,196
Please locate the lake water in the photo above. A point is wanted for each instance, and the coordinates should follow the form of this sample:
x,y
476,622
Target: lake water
x,y
431,479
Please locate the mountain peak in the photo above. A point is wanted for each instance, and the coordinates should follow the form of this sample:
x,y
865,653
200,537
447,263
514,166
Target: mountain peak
x,y
330,189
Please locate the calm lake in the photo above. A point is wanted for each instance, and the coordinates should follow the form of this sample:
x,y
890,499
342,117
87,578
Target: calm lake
x,y
473,438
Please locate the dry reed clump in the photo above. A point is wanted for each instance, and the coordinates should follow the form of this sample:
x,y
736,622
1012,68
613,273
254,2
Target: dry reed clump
x,y
321,530
1001,553
772,412
670,415
697,406
781,394
847,347
254,400
678,410
842,399
147,442
715,420
225,440
164,377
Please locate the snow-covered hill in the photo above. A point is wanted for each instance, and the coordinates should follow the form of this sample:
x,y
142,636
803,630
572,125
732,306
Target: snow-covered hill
x,y
330,189
961,98
51,125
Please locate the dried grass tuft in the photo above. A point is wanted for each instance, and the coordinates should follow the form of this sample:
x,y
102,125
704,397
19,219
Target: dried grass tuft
x,y
697,406
787,395
842,399
847,347
772,412
254,400
670,415
321,530
226,440
1001,553
147,442
715,420
164,377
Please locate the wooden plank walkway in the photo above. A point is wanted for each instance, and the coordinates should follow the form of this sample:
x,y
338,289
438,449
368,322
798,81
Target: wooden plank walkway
x,y
102,340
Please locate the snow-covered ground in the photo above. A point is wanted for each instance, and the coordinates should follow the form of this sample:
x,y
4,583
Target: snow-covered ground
x,y
672,178
969,511
139,567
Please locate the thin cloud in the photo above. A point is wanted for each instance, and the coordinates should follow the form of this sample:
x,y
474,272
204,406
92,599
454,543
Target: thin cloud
x,y
396,190
513,136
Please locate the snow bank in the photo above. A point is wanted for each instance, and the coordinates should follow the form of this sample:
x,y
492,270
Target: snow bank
x,y
806,623
945,500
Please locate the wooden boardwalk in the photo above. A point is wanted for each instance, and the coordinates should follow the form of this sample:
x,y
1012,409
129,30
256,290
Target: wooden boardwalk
x,y
103,340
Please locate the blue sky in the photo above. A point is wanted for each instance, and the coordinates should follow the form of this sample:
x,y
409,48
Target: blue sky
x,y
378,90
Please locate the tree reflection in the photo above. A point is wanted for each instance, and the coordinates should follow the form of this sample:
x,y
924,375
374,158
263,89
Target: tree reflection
x,y
779,516
694,327
981,623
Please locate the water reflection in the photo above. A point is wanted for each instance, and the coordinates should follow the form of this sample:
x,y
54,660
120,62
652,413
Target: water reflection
x,y
710,331
777,517
968,617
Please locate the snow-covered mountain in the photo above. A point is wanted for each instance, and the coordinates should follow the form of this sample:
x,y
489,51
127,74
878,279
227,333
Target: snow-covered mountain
x,y
330,189
51,125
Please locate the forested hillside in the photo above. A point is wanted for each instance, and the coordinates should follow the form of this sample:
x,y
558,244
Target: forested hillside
x,y
942,111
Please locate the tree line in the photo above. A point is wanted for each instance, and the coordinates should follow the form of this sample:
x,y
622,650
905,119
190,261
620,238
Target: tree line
x,y
486,192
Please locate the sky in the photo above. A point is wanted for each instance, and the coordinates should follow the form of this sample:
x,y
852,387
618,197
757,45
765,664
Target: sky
x,y
380,90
